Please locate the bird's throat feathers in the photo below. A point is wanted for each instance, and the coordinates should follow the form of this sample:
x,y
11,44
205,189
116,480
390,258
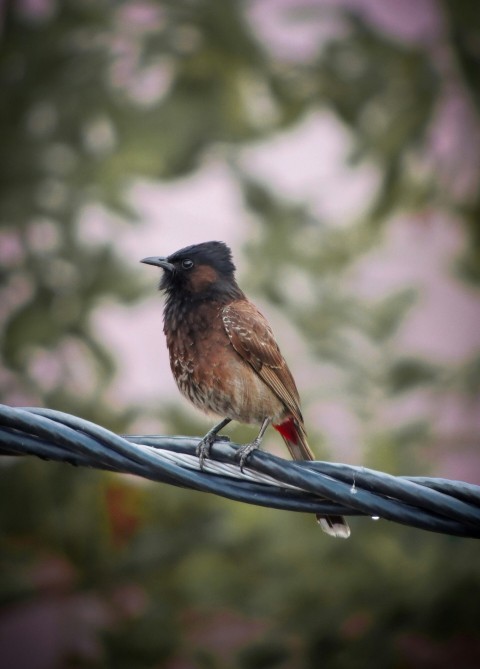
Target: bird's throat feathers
x,y
183,301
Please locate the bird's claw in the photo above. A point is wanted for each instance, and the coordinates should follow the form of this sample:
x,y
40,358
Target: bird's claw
x,y
205,446
245,451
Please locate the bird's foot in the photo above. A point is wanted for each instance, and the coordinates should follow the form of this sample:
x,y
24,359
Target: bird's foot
x,y
245,451
205,445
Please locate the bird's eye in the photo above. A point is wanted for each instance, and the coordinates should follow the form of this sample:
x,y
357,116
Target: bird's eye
x,y
187,263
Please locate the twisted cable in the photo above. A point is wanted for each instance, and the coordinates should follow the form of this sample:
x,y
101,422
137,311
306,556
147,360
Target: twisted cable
x,y
434,504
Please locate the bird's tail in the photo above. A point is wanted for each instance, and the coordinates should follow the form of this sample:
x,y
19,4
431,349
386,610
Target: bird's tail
x,y
296,440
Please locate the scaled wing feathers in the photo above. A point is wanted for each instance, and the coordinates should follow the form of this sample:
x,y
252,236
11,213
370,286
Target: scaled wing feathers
x,y
253,339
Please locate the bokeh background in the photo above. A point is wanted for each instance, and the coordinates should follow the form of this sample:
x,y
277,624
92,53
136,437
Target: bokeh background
x,y
335,145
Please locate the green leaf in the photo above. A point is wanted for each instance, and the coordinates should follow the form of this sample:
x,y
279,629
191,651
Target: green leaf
x,y
409,373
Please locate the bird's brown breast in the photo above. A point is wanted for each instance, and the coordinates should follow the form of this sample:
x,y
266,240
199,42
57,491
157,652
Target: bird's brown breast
x,y
211,374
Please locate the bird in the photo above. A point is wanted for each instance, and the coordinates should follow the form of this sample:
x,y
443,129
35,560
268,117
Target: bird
x,y
224,356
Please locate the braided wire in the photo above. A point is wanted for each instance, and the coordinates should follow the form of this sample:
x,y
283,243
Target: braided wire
x,y
435,504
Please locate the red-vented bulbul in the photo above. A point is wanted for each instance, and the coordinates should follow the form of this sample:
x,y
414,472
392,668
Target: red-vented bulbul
x,y
224,356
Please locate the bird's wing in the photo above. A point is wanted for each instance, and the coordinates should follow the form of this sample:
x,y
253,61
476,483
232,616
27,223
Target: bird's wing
x,y
252,338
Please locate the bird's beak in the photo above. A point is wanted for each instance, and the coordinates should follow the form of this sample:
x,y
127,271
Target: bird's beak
x,y
158,261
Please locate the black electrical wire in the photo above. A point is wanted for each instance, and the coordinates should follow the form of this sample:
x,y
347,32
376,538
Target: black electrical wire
x,y
438,505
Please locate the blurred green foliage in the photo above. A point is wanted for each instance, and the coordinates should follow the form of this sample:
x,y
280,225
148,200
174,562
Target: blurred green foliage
x,y
174,576
144,576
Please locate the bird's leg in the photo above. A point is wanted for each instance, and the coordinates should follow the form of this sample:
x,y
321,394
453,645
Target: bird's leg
x,y
245,450
204,446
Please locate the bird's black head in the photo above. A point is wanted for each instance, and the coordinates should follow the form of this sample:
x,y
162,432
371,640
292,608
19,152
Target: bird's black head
x,y
202,270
